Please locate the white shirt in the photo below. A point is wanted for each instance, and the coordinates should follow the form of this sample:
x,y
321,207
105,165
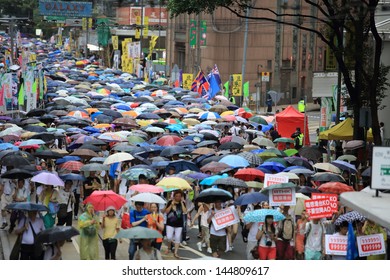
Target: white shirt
x,y
253,232
28,236
9,186
314,239
63,198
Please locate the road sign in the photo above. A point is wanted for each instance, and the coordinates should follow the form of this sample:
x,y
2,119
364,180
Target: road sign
x,y
380,171
265,76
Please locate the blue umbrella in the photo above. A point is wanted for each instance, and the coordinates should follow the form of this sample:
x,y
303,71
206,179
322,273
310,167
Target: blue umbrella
x,y
174,127
72,177
209,116
6,146
235,161
266,171
343,165
198,176
91,129
257,151
273,166
209,181
258,216
67,158
181,165
250,198
293,167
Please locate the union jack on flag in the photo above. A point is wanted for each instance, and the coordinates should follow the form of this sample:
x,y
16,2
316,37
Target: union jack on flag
x,y
216,74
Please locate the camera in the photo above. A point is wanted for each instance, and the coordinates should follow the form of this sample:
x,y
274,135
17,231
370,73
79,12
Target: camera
x,y
268,243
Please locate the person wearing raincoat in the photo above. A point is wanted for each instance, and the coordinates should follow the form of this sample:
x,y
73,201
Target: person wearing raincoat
x,y
89,225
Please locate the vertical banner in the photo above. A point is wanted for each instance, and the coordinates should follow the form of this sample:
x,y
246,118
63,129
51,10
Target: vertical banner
x,y
41,82
31,101
237,85
115,42
187,80
326,113
84,24
6,81
115,60
192,33
145,30
138,29
226,87
203,33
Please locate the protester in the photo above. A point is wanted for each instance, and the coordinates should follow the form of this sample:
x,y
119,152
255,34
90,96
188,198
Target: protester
x,y
155,221
205,229
147,251
267,235
286,236
89,225
110,226
66,201
314,240
300,235
218,237
137,218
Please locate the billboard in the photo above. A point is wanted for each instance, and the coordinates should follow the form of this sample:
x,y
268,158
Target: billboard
x,y
155,15
66,9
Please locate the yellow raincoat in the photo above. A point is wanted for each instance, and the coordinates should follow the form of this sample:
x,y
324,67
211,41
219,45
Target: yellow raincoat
x,y
89,248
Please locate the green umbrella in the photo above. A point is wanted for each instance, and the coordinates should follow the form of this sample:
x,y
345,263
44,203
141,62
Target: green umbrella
x,y
133,139
277,152
255,184
283,140
266,155
276,159
138,233
291,152
259,120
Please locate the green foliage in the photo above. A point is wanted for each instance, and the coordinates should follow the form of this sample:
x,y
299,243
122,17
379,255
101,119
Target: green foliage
x,y
177,7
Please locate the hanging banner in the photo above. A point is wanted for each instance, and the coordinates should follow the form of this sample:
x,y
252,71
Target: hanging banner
x,y
145,30
67,9
187,80
203,33
192,33
237,85
369,245
6,82
157,15
31,96
115,60
135,12
336,244
326,113
115,42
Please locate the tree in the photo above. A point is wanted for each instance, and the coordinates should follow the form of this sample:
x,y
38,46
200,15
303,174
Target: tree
x,y
334,19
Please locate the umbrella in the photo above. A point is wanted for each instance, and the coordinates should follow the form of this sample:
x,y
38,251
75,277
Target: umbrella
x,y
173,150
214,167
168,140
234,161
48,154
230,146
253,159
250,198
17,173
134,173
300,203
118,157
26,206
72,165
335,187
258,216
280,186
173,183
313,153
255,184
203,151
350,217
182,165
72,177
209,181
263,142
233,182
138,233
327,167
94,167
103,199
47,178
198,175
57,233
214,194
348,158
303,171
343,165
367,172
308,190
85,153
249,174
145,188
279,160
290,175
266,155
354,144
148,198
31,142
327,177
283,140
90,147
291,152
273,166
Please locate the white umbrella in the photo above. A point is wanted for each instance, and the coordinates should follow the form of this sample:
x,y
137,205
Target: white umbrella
x,y
291,176
118,157
148,198
263,142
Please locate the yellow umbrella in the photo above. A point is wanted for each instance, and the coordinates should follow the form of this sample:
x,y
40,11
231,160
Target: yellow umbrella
x,y
92,110
227,113
39,124
195,110
102,125
132,114
27,135
145,122
191,121
174,183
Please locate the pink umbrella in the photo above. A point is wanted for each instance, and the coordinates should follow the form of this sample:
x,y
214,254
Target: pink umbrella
x,y
168,140
230,118
226,139
47,178
103,199
143,188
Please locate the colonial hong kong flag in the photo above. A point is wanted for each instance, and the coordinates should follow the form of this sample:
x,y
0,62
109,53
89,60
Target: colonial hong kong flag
x,y
216,74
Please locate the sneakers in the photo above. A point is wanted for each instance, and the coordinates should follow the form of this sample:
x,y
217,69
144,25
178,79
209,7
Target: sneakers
x,y
187,238
204,245
75,218
199,244
184,243
3,226
209,250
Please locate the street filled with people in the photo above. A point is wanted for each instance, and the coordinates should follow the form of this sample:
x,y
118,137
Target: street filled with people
x,y
94,155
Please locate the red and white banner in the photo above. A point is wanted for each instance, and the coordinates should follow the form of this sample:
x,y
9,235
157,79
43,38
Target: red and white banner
x,y
225,217
270,179
333,199
285,196
373,244
319,208
336,245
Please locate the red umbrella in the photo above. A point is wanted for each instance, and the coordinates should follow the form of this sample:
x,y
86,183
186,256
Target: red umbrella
x,y
249,174
335,187
142,188
71,165
103,199
168,140
226,139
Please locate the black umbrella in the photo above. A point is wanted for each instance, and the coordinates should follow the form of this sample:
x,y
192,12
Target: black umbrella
x,y
148,116
308,190
112,113
47,118
206,143
47,154
313,153
210,159
161,124
96,142
230,146
213,194
15,160
17,173
231,182
104,119
44,136
36,113
182,165
91,147
210,136
26,206
29,121
57,233
35,128
173,150
327,177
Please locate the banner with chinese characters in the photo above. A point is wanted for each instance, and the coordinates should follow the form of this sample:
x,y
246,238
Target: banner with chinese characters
x,y
203,33
318,208
373,244
187,80
336,244
326,113
333,199
237,85
284,196
193,34
225,217
272,179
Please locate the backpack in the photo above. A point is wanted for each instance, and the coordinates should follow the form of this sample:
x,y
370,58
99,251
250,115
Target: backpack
x,y
286,231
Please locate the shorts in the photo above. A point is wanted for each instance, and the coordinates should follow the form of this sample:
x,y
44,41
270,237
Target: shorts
x,y
267,253
205,234
5,200
174,234
312,255
217,243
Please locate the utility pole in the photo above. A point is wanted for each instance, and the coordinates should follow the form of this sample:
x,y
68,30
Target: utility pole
x,y
244,54
11,31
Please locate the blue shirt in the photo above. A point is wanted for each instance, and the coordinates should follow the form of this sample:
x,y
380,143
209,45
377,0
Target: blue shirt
x,y
137,216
